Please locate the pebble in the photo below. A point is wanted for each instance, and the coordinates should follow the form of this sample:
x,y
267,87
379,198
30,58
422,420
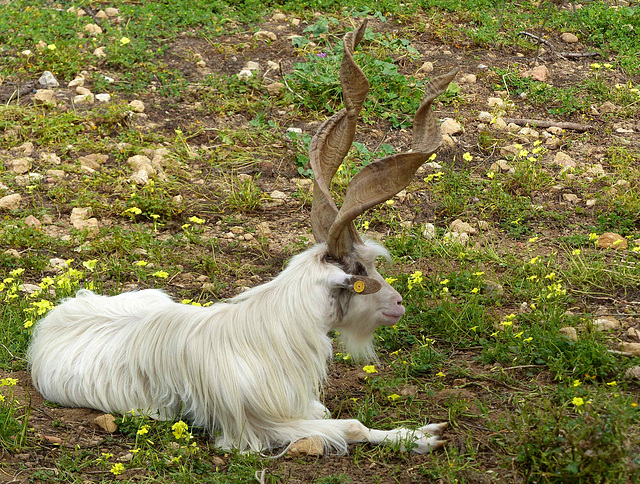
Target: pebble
x,y
111,12
93,29
450,126
632,373
429,231
50,158
265,35
44,97
485,117
569,332
100,52
427,67
275,88
252,66
495,102
307,446
19,165
569,38
633,348
611,240
78,81
570,197
47,79
10,202
456,237
83,99
245,74
106,422
278,17
606,323
608,107
137,106
462,227
92,162
538,73
633,333
103,97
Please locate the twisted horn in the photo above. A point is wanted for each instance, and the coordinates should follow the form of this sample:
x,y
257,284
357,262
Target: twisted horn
x,y
333,139
383,179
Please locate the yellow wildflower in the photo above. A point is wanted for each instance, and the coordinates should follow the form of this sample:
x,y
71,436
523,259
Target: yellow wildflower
x,y
370,369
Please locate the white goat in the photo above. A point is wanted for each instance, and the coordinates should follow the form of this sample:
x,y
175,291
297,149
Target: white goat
x,y
252,367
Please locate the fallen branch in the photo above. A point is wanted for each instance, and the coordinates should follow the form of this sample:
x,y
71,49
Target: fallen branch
x,y
547,124
563,55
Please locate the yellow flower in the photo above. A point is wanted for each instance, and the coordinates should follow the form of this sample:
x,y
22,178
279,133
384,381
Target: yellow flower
x,y
161,274
526,340
534,260
90,264
440,374
577,401
124,41
576,252
196,220
133,210
532,278
140,263
474,328
475,290
117,469
519,335
532,240
16,272
390,280
179,429
577,383
393,397
1,398
389,202
51,47
444,282
365,225
478,274
491,174
506,323
370,369
8,382
467,156
593,236
612,383
143,430
28,323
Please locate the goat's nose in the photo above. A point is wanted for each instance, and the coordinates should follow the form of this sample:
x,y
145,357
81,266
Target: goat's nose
x,y
399,300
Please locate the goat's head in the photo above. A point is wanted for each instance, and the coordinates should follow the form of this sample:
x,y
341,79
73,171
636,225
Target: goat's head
x,y
364,299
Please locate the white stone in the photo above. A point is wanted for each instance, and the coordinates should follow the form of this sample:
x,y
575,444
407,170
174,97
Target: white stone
x,y
569,38
93,29
495,102
252,66
427,67
111,12
47,79
245,74
569,332
100,52
78,81
265,35
83,99
428,231
462,227
50,158
456,237
103,97
44,97
605,323
485,117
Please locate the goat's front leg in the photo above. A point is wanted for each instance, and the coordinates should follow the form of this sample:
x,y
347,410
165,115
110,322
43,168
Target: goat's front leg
x,y
421,440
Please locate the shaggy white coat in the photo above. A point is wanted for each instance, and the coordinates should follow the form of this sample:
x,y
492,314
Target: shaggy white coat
x,y
250,368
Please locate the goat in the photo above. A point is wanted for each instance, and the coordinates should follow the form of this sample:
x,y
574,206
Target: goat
x,y
250,369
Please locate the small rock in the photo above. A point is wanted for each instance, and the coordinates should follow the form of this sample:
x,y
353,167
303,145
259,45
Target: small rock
x,y
82,90
570,197
252,66
569,332
308,446
633,348
50,439
101,15
495,102
608,107
564,160
92,162
606,323
634,334
448,141
263,230
275,88
611,240
111,12
93,29
502,165
265,35
632,373
468,79
48,80
103,97
510,150
429,231
44,97
553,143
427,67
140,178
278,195
493,288
57,174
569,38
106,422
10,202
456,237
538,73
485,117
19,165
462,227
245,74
83,99
595,169
591,202
31,221
137,106
30,288
100,52
451,127
78,81
80,214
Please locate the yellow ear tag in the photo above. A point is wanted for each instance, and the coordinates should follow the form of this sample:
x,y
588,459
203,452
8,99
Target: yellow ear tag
x,y
358,286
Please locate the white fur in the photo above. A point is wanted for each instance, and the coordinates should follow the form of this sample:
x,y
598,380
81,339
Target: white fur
x,y
250,368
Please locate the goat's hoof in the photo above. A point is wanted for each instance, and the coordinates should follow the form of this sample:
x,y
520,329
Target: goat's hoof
x,y
428,444
434,429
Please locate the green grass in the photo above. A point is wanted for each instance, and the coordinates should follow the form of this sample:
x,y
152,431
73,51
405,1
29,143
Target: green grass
x,y
480,345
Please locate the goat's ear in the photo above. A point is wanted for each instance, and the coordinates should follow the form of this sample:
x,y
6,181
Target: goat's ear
x,y
361,284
